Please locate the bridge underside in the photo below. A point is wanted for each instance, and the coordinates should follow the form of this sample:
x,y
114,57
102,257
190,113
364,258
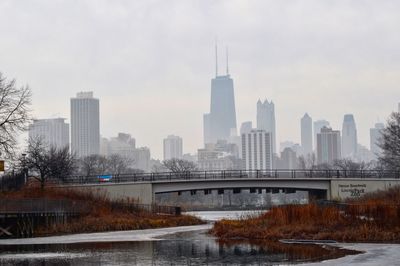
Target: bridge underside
x,y
318,189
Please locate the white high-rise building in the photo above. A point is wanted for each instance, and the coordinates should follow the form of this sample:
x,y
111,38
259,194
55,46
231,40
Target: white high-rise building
x,y
53,132
375,135
266,120
172,147
306,134
328,146
317,129
85,124
257,150
349,137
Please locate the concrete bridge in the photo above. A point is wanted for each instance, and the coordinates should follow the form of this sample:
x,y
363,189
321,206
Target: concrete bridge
x,y
321,184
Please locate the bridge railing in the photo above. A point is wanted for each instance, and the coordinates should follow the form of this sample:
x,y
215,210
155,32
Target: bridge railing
x,y
232,174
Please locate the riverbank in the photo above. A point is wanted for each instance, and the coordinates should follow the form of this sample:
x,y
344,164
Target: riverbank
x,y
371,254
372,218
100,214
112,236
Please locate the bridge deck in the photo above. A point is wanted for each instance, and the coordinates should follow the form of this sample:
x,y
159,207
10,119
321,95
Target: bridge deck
x,y
234,174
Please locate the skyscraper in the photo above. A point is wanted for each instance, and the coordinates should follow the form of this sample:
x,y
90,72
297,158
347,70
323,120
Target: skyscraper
x,y
328,145
317,129
172,147
85,124
349,137
53,132
266,120
375,134
257,150
306,134
221,121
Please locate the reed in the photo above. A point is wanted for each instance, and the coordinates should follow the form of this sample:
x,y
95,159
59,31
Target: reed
x,y
104,214
373,218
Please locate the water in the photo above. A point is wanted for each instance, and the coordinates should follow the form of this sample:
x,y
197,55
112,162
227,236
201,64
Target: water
x,y
183,248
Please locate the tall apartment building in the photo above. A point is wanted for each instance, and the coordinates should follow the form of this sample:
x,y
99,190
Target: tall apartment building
x,y
328,146
317,129
257,150
306,134
172,147
85,124
375,135
53,132
266,120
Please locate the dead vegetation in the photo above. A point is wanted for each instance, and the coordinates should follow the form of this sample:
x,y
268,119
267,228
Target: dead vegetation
x,y
372,218
102,213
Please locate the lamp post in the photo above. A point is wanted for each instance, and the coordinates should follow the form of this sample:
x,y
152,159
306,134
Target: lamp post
x,y
25,168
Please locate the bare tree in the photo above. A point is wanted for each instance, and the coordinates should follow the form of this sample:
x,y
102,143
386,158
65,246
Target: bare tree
x,y
14,114
390,143
93,165
118,164
179,165
307,162
350,165
48,162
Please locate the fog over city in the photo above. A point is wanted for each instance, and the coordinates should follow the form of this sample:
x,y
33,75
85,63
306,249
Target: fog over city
x,y
150,63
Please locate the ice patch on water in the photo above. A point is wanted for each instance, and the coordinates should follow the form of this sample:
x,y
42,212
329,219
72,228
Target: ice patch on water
x,y
45,255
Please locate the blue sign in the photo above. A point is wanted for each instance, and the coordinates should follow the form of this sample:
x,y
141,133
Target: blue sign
x,y
104,178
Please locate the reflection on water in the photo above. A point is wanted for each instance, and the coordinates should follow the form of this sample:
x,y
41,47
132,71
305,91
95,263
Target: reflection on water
x,y
194,248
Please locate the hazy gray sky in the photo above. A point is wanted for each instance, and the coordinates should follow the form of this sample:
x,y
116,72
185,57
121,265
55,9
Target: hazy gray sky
x,y
150,62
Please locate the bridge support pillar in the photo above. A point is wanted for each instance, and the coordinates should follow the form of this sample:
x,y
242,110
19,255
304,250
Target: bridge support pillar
x,y
317,194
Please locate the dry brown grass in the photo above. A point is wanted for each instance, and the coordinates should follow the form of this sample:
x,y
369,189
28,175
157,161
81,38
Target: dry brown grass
x,y
102,212
373,218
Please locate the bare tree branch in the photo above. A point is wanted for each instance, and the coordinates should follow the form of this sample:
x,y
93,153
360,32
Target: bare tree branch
x,y
14,114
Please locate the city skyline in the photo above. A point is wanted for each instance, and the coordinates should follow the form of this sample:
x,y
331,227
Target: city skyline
x,y
299,51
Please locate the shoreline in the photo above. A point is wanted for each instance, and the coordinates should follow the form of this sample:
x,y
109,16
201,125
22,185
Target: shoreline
x,y
373,253
110,236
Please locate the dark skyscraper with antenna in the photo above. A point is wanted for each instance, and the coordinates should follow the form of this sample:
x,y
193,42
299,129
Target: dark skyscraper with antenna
x,y
220,123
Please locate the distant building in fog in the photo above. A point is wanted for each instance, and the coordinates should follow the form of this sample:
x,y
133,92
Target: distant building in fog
x,y
141,159
257,150
288,159
125,146
221,120
172,147
328,146
246,127
375,135
122,145
317,129
219,156
306,134
85,124
349,137
53,132
266,120
364,154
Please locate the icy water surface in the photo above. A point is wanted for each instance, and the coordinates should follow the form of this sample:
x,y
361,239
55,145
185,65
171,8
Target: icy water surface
x,y
157,247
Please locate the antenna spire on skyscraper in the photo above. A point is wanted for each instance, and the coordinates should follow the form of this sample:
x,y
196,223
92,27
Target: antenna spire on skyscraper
x,y
216,58
227,62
